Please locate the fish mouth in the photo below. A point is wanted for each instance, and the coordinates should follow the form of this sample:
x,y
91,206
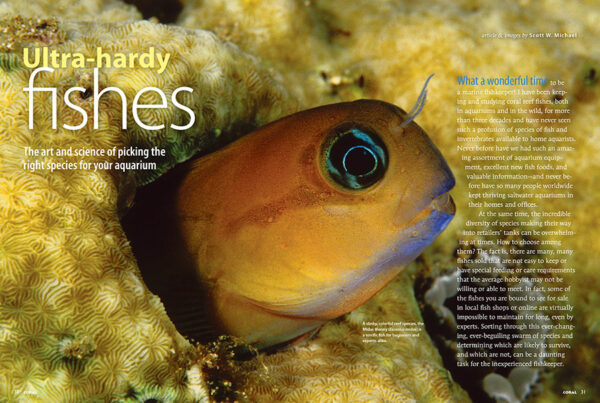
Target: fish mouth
x,y
444,204
434,217
415,235
440,205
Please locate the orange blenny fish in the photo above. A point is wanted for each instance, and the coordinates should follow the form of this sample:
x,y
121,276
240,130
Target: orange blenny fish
x,y
308,217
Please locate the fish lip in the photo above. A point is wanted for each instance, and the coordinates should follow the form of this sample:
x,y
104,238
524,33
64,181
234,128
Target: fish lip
x,y
442,201
444,204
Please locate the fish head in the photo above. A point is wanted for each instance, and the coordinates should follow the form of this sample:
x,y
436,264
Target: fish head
x,y
313,214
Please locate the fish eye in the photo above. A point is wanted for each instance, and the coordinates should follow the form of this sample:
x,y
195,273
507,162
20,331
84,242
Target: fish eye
x,y
356,158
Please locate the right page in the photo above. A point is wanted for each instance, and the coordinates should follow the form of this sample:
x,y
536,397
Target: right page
x,y
521,319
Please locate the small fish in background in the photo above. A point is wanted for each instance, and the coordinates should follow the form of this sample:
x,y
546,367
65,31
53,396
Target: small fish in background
x,y
295,224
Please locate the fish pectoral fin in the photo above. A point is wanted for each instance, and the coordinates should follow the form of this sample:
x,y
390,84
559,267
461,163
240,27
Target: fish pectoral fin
x,y
195,324
188,308
304,338
309,306
301,340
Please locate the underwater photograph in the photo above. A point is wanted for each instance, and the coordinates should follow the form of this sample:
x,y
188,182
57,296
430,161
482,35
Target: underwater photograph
x,y
299,201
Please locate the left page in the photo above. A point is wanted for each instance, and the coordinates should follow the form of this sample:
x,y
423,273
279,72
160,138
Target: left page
x,y
275,201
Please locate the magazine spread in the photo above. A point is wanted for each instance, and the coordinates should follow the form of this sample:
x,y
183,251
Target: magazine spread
x,y
299,201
